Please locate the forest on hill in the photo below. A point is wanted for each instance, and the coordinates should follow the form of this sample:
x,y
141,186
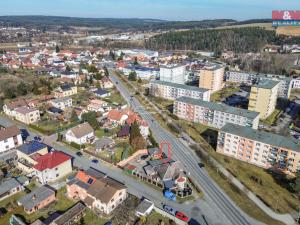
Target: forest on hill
x,y
240,40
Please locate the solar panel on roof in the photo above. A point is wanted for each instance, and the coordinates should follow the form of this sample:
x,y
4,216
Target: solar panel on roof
x,y
90,181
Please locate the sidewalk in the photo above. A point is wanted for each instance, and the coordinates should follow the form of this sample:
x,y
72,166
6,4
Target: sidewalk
x,y
285,218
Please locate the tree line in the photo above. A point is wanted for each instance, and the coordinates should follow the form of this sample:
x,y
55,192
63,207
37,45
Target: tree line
x,y
240,40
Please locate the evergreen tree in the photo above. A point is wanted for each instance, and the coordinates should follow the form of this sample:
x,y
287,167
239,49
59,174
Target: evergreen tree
x,y
91,118
98,76
74,117
136,61
35,88
57,49
132,76
22,88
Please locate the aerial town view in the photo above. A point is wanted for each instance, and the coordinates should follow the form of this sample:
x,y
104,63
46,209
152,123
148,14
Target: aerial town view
x,y
123,112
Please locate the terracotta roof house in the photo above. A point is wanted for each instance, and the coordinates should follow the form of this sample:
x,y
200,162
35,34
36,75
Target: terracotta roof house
x,y
52,166
81,134
10,138
103,194
37,199
9,108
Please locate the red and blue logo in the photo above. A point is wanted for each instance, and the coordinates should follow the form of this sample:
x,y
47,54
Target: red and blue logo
x,y
286,18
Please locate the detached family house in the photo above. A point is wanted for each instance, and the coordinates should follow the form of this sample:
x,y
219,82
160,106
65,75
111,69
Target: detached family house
x,y
37,199
81,134
12,186
61,103
52,166
20,111
35,160
65,90
97,191
10,138
106,83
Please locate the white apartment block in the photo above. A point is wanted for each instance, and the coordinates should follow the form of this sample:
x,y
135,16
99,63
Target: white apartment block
x,y
171,91
213,114
240,77
263,149
296,83
173,73
285,85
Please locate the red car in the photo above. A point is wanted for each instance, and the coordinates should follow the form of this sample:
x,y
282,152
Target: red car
x,y
181,216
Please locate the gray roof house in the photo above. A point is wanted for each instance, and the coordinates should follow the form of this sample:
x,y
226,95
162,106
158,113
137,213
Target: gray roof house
x,y
37,199
104,143
12,186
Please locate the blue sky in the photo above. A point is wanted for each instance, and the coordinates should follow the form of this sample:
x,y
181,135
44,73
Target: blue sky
x,y
157,9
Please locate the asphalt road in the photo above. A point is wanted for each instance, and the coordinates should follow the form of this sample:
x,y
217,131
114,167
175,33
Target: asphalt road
x,y
224,209
134,186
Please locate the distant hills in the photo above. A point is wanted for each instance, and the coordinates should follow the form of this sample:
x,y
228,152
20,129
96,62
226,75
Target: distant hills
x,y
122,24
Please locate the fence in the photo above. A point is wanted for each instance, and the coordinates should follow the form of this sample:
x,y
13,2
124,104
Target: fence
x,y
132,157
165,214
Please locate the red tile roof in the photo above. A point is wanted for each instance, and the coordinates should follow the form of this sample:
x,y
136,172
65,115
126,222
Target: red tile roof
x,y
51,160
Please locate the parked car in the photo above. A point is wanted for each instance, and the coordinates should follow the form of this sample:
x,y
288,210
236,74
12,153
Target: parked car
x,y
79,154
95,161
169,210
181,216
170,195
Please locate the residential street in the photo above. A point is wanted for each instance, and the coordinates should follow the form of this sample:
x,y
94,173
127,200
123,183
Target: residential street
x,y
222,210
194,210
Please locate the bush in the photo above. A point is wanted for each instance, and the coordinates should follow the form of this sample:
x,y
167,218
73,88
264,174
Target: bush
x,y
77,146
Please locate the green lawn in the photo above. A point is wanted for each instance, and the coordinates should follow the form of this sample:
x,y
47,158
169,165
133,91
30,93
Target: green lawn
x,y
116,97
224,93
240,198
155,218
91,219
106,133
271,120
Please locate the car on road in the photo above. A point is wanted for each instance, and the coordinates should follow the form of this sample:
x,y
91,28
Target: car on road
x,y
201,165
169,210
95,161
79,154
37,138
182,216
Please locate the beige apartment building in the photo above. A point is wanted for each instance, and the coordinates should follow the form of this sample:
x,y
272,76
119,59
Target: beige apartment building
x,y
263,149
212,77
263,97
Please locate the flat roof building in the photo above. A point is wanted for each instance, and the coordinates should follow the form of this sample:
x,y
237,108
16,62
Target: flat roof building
x,y
260,148
263,97
171,91
213,114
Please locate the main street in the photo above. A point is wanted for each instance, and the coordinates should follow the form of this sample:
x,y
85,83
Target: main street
x,y
224,208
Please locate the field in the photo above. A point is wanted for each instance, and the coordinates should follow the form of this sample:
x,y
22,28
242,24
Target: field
x,y
268,26
294,31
